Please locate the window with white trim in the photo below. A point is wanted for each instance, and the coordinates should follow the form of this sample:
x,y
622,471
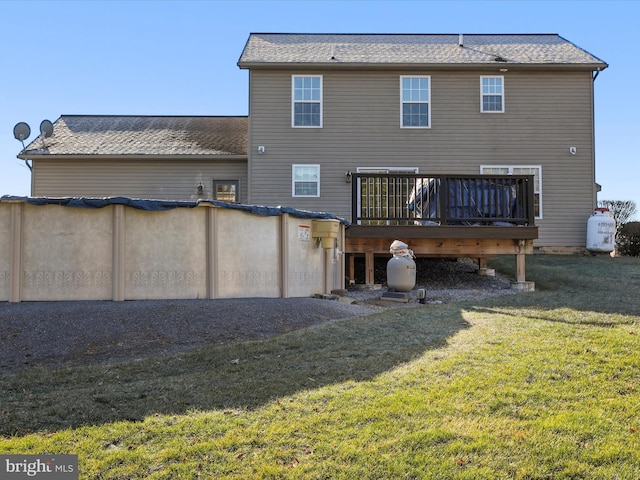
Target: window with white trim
x,y
492,94
226,190
534,170
305,180
306,101
415,101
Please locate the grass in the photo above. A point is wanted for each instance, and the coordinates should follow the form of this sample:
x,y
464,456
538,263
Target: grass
x,y
531,386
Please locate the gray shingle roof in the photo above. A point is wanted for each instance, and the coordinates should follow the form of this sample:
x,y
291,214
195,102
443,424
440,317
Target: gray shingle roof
x,y
264,49
143,135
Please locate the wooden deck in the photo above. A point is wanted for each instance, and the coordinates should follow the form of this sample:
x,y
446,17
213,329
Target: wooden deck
x,y
478,222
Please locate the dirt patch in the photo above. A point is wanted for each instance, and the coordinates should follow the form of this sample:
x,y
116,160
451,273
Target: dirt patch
x,y
444,281
71,333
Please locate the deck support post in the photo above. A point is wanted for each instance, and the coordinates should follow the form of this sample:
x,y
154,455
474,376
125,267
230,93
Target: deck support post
x,y
483,269
369,270
520,267
351,268
521,283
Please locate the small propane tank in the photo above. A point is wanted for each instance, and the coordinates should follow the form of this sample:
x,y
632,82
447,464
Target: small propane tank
x,y
401,269
601,232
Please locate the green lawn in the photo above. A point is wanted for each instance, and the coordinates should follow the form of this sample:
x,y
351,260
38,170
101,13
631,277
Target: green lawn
x,y
531,386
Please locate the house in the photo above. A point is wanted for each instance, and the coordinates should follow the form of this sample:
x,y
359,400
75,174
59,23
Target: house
x,y
353,124
157,157
325,105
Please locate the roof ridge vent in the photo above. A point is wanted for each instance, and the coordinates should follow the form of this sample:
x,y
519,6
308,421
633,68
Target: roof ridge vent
x,y
461,40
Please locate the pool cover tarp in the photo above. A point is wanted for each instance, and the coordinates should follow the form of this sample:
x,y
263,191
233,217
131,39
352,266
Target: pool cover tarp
x,y
159,205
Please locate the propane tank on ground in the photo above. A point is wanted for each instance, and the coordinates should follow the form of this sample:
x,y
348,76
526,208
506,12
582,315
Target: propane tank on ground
x,y
601,232
401,269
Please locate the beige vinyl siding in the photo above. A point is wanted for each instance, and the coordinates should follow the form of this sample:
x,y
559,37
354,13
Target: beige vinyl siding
x,y
155,179
545,114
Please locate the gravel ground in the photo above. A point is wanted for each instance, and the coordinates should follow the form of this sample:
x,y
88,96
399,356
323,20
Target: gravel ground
x,y
51,334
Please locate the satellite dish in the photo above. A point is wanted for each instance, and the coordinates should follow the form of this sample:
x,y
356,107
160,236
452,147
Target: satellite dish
x,y
21,131
46,128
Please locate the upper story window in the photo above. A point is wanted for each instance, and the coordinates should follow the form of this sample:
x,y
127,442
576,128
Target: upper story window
x,y
305,180
492,94
306,103
534,170
415,103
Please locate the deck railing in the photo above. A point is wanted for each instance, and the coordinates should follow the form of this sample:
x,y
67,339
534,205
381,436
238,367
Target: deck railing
x,y
418,199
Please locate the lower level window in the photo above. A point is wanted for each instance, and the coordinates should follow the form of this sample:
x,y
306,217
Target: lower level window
x,y
536,171
226,190
305,180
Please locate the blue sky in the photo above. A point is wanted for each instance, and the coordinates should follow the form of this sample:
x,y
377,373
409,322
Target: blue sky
x,y
179,58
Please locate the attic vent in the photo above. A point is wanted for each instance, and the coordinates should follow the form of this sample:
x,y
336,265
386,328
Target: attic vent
x,y
498,58
461,40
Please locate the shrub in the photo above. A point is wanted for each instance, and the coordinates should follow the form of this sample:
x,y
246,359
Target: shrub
x,y
628,241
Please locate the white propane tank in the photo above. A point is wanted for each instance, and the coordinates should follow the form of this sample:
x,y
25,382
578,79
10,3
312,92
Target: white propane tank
x,y
401,269
601,231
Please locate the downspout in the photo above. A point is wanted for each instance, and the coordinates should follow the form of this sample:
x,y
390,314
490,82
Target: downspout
x,y
249,146
594,75
26,162
33,178
29,166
